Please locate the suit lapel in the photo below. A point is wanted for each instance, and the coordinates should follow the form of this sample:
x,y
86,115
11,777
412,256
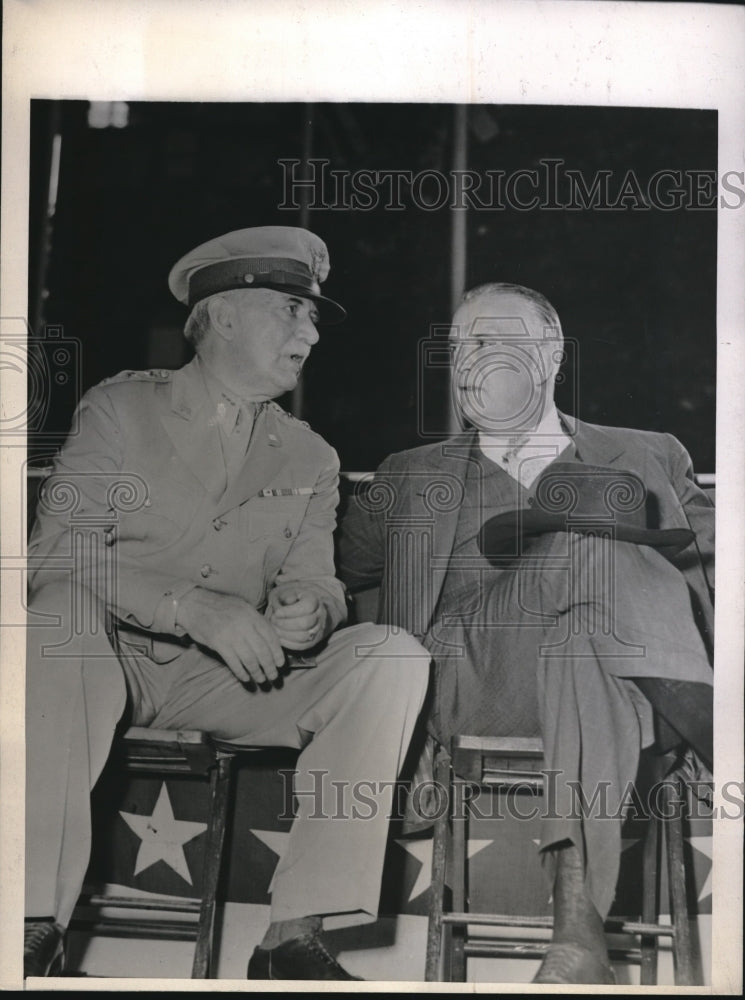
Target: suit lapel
x,y
449,462
602,446
595,445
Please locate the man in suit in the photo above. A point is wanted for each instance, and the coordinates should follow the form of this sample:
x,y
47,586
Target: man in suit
x,y
586,621
182,555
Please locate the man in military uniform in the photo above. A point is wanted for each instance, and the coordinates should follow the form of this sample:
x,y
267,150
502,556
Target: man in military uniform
x,y
495,547
198,516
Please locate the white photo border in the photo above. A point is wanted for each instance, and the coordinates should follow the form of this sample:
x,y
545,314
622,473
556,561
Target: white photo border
x,y
569,52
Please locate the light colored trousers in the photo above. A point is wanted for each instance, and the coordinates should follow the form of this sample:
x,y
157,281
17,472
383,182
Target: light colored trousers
x,y
352,716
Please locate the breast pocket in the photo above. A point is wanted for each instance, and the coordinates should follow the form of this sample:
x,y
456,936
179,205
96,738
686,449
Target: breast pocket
x,y
275,518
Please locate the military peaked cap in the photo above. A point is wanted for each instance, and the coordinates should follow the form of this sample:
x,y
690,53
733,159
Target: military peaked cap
x,y
283,258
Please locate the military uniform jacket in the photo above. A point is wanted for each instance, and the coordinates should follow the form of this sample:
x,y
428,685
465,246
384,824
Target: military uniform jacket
x,y
139,510
399,534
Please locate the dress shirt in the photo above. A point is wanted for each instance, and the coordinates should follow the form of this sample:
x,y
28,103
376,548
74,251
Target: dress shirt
x,y
525,456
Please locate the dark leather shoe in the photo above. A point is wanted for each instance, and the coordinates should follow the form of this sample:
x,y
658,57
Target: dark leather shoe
x,y
301,958
573,964
43,948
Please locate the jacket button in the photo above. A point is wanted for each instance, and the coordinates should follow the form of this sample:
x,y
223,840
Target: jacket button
x,y
531,502
206,569
288,532
218,523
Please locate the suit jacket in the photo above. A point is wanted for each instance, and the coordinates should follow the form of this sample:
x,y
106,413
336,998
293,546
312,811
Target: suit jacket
x,y
398,533
137,505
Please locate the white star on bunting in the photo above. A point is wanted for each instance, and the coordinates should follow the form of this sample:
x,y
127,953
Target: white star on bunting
x,y
275,840
421,850
704,846
163,837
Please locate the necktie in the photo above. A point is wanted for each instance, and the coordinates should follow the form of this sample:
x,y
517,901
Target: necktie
x,y
236,443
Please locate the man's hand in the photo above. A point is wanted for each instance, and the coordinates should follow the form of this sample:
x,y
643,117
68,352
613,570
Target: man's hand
x,y
299,616
247,642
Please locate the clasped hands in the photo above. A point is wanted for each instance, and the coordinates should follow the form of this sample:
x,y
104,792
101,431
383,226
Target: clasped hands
x,y
249,642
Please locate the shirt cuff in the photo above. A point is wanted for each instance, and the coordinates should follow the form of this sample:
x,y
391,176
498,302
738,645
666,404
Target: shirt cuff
x,y
164,619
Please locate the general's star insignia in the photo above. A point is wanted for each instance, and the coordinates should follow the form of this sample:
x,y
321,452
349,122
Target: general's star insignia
x,y
163,837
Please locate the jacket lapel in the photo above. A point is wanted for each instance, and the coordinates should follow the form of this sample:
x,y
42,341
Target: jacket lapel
x,y
196,438
449,463
595,445
265,458
188,425
450,460
602,446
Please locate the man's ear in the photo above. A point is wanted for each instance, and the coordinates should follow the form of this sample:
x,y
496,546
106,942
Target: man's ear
x,y
222,316
550,360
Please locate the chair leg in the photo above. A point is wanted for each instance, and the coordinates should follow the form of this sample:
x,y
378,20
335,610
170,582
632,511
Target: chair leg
x,y
682,941
460,850
437,888
219,794
650,901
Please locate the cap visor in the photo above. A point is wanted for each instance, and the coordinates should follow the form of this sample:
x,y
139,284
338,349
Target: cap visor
x,y
330,312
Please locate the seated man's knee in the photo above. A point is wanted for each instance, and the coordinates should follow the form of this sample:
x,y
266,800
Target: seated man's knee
x,y
391,639
582,571
389,647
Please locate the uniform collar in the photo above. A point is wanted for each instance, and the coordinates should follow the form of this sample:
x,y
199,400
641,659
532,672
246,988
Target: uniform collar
x,y
227,409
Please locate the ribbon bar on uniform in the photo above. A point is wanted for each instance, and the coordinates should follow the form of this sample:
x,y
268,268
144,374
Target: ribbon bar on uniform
x,y
300,491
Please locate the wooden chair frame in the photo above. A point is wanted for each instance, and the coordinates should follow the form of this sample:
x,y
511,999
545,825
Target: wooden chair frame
x,y
501,764
187,753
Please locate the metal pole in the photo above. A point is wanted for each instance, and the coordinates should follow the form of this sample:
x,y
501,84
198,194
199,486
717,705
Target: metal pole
x,y
307,152
458,247
52,155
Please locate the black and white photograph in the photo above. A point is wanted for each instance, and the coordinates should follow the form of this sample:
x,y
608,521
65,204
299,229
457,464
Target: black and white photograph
x,y
371,427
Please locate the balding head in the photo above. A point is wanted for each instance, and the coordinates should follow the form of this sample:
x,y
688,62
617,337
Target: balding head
x,y
507,350
516,303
